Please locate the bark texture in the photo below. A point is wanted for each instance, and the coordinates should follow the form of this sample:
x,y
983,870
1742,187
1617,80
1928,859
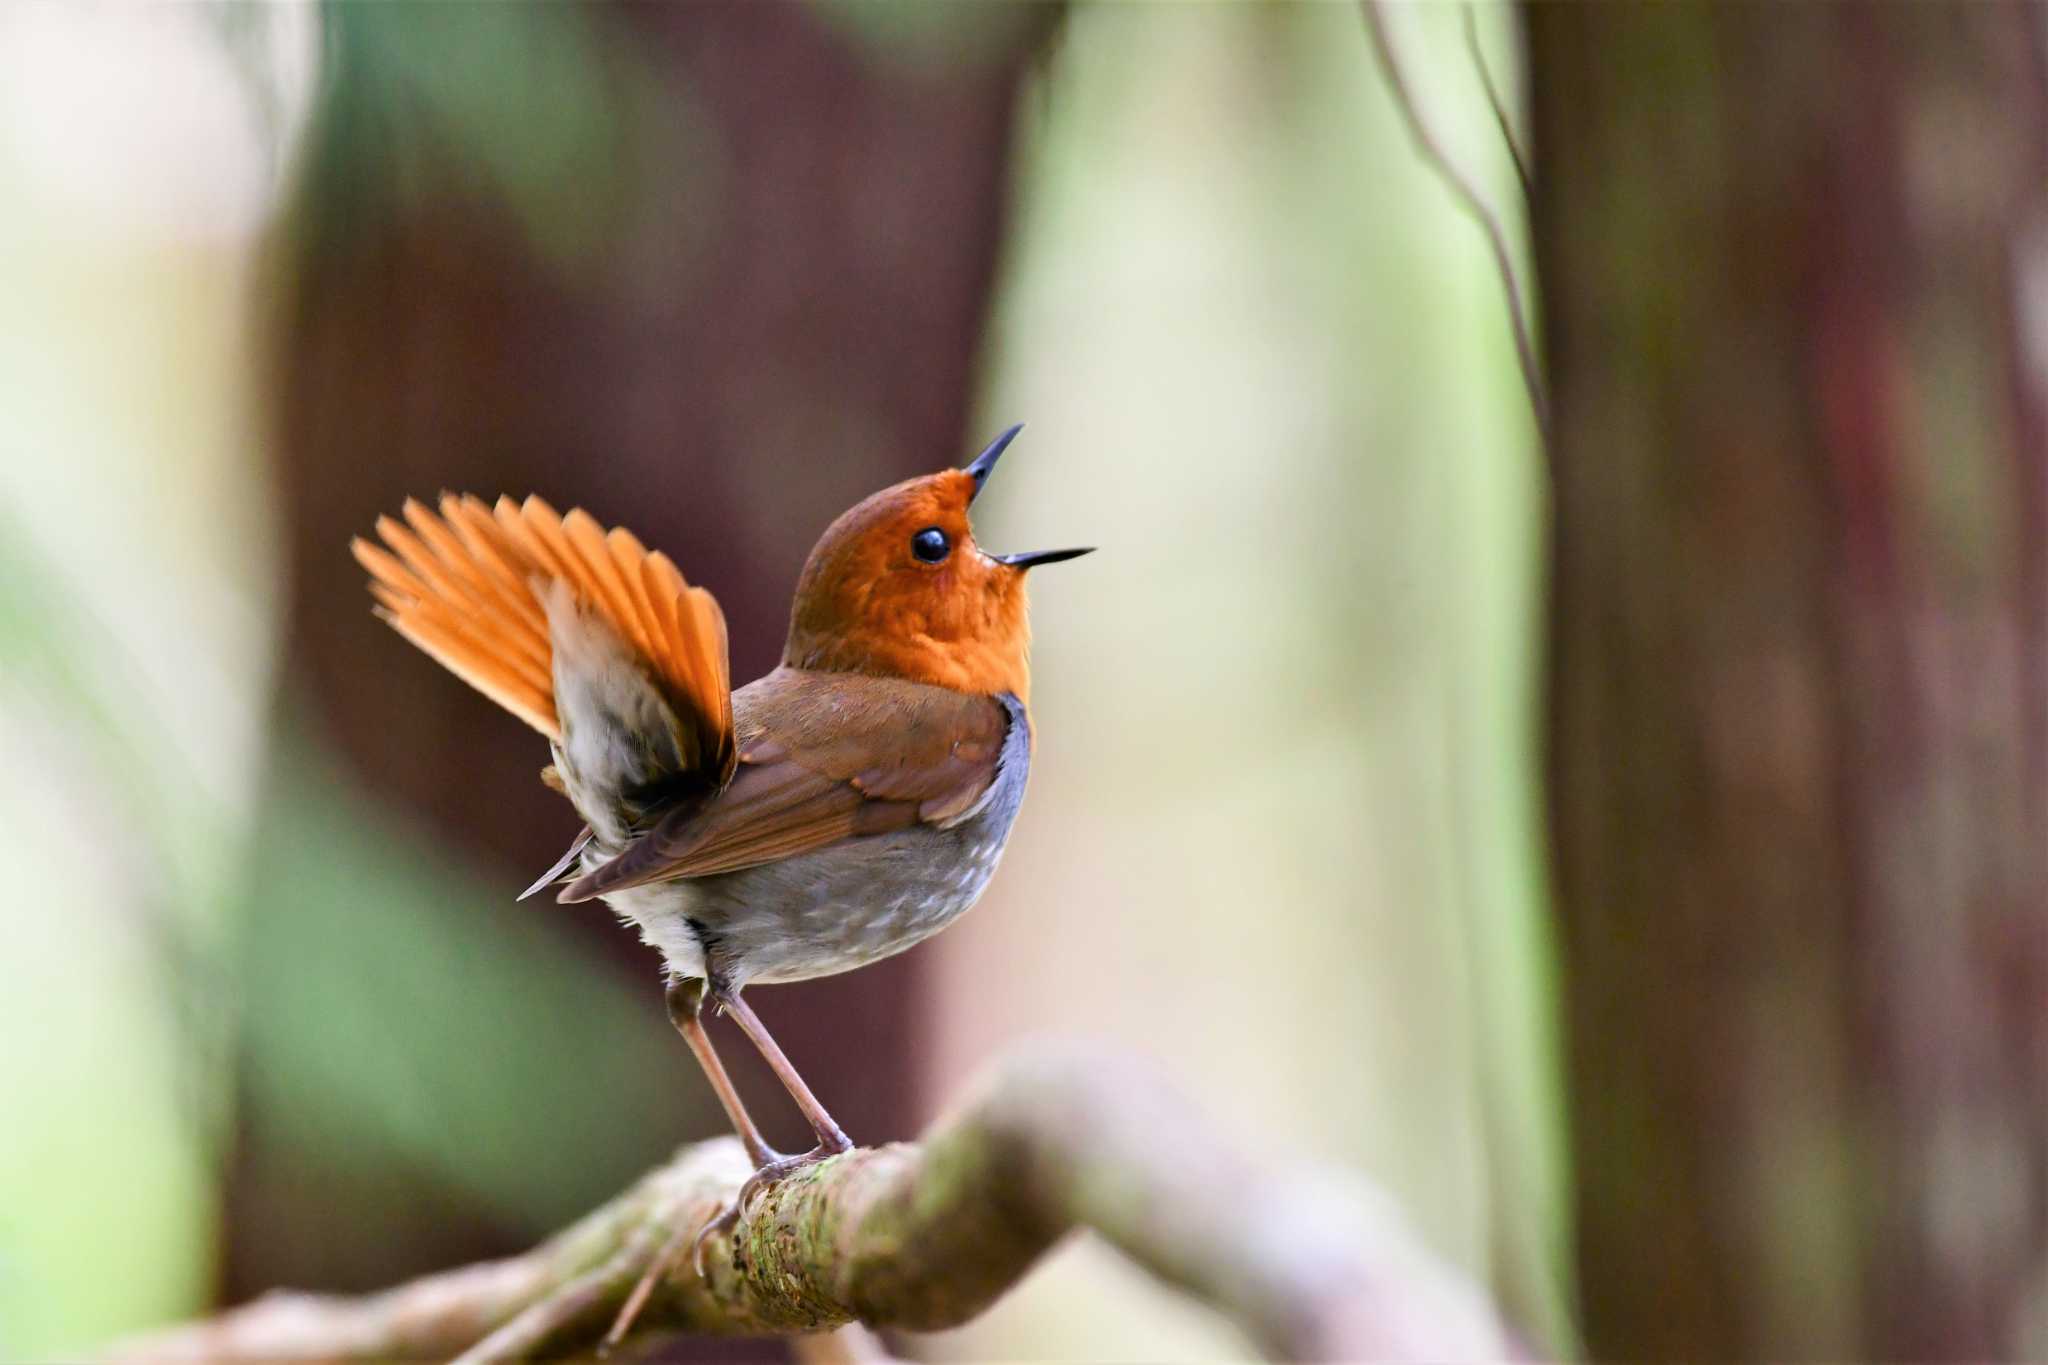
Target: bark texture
x,y
1795,270
1311,1266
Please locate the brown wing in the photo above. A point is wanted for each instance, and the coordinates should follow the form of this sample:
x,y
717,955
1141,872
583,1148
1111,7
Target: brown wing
x,y
822,758
461,586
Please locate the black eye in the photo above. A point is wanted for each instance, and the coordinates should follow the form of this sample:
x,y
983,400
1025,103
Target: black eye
x,y
930,545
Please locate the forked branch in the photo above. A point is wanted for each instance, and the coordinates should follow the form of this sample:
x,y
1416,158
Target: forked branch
x,y
1468,193
1309,1265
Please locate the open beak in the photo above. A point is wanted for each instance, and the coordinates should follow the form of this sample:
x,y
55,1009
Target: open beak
x,y
1031,557
984,464
980,468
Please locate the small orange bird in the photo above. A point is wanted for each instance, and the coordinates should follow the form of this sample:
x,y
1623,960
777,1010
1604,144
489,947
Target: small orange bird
x,y
842,808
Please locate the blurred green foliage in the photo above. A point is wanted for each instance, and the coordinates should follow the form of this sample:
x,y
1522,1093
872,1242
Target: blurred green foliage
x,y
402,1014
543,113
115,1025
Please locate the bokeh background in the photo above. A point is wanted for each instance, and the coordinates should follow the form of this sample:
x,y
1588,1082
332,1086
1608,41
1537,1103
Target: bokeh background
x,y
715,272
268,1013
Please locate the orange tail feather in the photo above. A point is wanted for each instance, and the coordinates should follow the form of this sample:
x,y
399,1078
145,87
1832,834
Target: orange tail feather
x,y
462,586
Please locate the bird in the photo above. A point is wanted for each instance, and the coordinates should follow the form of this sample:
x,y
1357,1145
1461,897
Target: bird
x,y
840,809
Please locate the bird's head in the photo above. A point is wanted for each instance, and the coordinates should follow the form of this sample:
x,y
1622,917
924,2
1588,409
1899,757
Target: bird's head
x,y
897,587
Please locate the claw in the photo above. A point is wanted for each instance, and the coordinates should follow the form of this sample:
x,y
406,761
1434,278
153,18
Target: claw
x,y
727,1219
758,1184
776,1169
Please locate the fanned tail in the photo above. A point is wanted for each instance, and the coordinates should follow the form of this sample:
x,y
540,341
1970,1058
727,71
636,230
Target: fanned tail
x,y
464,586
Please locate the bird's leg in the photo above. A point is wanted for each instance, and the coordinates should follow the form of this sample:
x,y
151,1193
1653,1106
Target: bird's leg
x,y
685,1009
831,1139
685,998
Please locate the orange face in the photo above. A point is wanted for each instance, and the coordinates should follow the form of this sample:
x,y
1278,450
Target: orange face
x,y
897,587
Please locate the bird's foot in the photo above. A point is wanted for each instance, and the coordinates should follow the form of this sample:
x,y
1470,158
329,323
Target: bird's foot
x,y
776,1168
773,1166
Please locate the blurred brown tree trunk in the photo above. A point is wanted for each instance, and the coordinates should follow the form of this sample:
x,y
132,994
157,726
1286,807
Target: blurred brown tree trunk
x,y
1795,269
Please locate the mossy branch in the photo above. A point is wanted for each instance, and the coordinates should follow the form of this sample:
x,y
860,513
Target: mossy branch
x,y
1311,1265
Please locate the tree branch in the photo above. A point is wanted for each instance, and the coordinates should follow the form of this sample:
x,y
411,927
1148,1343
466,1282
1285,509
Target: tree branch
x,y
1310,1265
1498,105
1470,197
